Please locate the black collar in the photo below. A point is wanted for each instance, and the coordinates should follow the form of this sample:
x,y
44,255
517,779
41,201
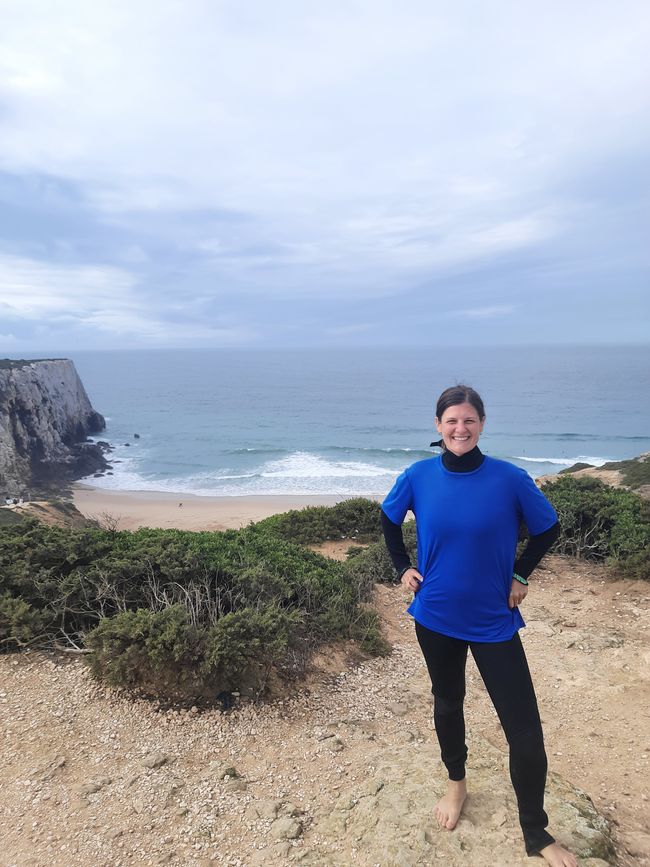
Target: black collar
x,y
463,464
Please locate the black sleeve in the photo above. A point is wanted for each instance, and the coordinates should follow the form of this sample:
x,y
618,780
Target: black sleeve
x,y
535,549
395,543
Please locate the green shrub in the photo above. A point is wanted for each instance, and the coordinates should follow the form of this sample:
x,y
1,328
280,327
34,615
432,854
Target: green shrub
x,y
636,566
175,611
373,565
20,624
599,522
8,517
357,519
163,652
635,472
575,467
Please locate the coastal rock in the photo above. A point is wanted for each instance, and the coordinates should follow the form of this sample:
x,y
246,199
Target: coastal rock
x,y
286,829
45,418
391,818
155,760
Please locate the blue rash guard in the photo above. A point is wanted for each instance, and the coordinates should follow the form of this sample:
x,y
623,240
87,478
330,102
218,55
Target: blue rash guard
x,y
467,530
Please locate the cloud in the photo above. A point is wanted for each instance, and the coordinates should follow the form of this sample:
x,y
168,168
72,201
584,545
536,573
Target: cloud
x,y
495,311
351,329
32,289
103,300
254,157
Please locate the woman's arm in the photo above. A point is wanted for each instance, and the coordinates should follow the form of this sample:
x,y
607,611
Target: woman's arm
x,y
394,539
531,555
408,575
535,549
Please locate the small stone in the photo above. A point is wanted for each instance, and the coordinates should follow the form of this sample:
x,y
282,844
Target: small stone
x,y
155,760
91,787
263,809
398,708
371,787
286,829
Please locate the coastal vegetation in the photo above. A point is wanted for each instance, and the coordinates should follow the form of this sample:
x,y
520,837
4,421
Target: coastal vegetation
x,y
357,519
635,473
17,363
182,614
599,522
194,615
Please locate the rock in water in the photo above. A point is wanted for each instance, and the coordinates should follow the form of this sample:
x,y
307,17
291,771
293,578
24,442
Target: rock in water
x,y
45,417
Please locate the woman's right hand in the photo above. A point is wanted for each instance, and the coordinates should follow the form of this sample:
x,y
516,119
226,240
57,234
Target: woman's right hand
x,y
412,580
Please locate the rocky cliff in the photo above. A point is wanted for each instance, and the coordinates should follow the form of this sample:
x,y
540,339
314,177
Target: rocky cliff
x,y
45,417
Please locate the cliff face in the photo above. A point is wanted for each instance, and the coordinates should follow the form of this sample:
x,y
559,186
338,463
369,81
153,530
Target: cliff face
x,y
45,416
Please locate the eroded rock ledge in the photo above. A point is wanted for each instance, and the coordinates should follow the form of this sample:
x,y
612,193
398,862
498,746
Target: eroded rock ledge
x,y
45,417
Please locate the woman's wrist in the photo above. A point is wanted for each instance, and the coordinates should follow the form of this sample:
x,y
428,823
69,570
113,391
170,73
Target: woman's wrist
x,y
403,570
521,580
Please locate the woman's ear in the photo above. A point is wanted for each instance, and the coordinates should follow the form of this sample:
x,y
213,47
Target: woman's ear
x,y
438,425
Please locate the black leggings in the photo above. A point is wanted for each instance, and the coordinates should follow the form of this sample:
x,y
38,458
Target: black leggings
x,y
504,670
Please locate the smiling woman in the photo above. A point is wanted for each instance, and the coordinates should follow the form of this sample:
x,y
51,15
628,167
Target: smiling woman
x,y
468,586
460,417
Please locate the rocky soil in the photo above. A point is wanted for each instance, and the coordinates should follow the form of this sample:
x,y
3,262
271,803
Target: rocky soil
x,y
343,769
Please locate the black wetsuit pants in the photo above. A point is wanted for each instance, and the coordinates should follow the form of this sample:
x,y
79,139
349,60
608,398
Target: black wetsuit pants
x,y
504,670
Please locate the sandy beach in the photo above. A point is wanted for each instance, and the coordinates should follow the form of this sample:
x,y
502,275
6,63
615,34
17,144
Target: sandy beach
x,y
129,510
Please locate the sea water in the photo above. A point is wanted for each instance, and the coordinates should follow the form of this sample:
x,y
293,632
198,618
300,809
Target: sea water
x,y
235,422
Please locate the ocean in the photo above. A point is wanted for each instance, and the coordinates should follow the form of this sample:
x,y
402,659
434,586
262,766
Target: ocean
x,y
344,422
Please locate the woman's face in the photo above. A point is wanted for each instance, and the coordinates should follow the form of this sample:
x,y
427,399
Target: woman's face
x,y
460,427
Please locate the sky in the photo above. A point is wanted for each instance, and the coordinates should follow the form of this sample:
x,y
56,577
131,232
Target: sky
x,y
211,173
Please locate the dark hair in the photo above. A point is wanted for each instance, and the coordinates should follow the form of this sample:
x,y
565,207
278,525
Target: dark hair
x,y
459,394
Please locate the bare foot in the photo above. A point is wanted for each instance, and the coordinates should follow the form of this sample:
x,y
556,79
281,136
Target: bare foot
x,y
447,810
557,856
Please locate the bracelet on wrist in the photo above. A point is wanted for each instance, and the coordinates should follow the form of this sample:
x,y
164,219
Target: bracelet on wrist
x,y
520,579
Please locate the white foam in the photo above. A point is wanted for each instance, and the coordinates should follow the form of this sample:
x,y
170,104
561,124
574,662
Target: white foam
x,y
303,465
565,462
298,473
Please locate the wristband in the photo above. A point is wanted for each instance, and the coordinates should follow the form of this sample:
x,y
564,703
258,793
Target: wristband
x,y
520,579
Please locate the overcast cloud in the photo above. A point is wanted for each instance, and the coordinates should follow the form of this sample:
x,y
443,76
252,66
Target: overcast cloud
x,y
296,174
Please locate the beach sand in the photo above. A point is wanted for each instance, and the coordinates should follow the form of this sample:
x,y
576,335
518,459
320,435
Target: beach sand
x,y
128,510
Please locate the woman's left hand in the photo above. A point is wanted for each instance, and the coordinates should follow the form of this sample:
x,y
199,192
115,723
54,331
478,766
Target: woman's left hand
x,y
518,593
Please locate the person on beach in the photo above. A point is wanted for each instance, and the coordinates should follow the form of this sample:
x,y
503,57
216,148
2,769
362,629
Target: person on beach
x,y
468,587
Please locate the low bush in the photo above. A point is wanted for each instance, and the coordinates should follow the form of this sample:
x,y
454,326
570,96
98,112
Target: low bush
x,y
164,652
599,522
635,472
373,564
357,519
177,611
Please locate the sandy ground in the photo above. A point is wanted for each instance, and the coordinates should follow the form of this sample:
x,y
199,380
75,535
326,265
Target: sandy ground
x,y
81,784
133,509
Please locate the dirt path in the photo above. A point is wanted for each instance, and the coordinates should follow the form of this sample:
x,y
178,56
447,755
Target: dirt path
x,y
345,770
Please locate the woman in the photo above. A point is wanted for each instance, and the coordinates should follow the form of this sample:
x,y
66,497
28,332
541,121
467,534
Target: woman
x,y
468,586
